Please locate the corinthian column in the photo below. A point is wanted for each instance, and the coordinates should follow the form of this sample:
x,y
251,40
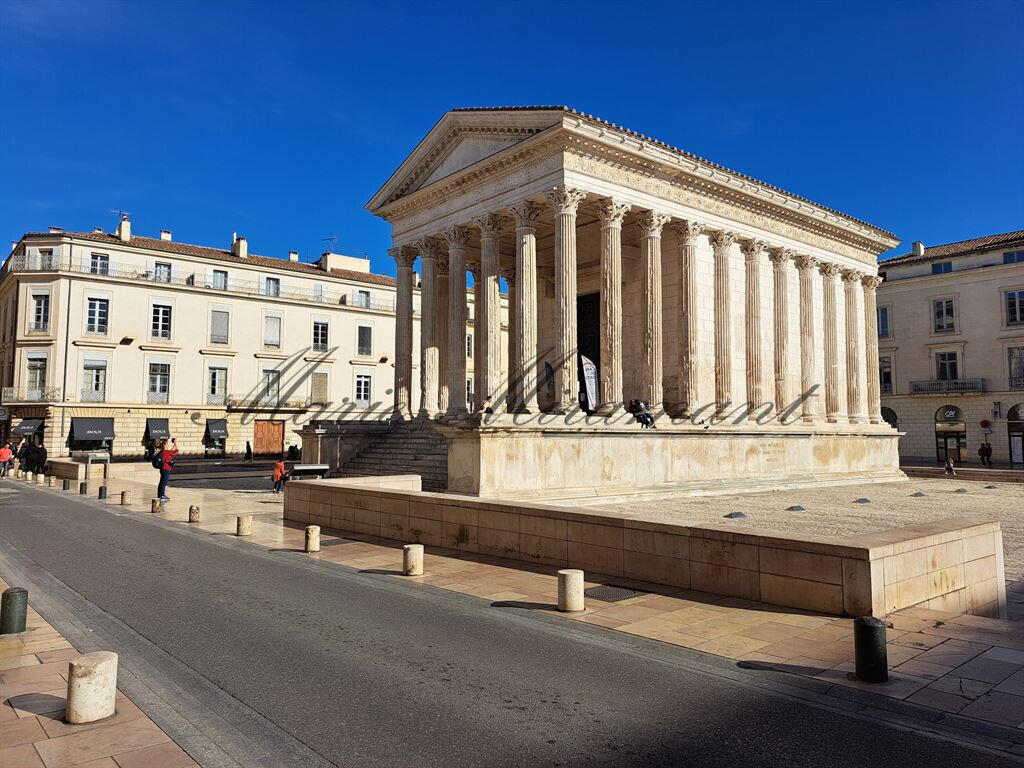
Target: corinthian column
x,y
441,332
512,388
808,401
752,250
651,374
871,283
854,328
479,369
611,215
686,246
429,253
489,314
565,201
830,274
404,257
780,306
457,237
721,243
526,214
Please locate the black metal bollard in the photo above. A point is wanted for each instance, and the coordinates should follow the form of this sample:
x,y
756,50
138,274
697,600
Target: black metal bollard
x,y
66,485
869,649
83,488
13,608
103,492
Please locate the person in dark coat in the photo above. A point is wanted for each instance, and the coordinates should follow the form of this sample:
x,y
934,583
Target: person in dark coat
x,y
22,455
40,467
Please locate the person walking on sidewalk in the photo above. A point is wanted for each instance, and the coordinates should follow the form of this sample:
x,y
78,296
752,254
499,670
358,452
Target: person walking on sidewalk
x,y
988,453
248,452
280,475
6,454
166,456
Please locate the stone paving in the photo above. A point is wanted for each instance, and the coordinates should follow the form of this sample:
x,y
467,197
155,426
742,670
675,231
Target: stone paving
x,y
33,734
969,665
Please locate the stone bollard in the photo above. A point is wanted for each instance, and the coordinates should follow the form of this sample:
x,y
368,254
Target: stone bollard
x,y
83,488
412,560
156,506
66,484
312,538
40,479
92,687
27,477
193,514
103,492
870,653
17,474
13,609
570,590
50,481
126,498
243,525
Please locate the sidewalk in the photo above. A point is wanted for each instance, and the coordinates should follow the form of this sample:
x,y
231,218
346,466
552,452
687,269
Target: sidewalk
x,y
33,734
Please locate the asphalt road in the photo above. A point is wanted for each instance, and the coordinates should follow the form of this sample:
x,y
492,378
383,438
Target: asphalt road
x,y
367,672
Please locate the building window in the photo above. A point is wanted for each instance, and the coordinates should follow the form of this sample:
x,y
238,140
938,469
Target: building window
x,y
220,280
162,321
363,299
162,272
946,367
94,381
318,387
40,313
885,375
1015,366
159,383
1013,257
364,341
271,286
220,323
36,379
883,322
363,388
469,394
217,389
99,264
942,309
1014,307
272,331
469,345
96,316
319,336
319,294
941,267
270,387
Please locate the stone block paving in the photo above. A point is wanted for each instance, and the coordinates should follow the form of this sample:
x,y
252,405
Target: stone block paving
x,y
968,665
33,734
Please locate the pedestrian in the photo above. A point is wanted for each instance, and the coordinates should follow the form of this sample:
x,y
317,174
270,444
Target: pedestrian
x,y
165,461
248,452
988,454
41,459
31,457
23,456
950,469
6,454
280,475
981,455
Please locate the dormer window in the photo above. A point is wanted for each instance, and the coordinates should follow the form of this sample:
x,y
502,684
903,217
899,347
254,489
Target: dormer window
x,y
271,286
942,267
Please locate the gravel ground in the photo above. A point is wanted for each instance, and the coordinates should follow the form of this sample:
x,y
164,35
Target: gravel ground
x,y
833,511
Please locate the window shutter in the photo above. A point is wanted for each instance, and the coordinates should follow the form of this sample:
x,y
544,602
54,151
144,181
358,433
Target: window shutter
x,y
272,331
219,325
318,387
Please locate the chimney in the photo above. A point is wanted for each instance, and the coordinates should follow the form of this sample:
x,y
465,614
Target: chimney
x,y
917,248
56,230
97,230
240,247
293,255
165,234
124,229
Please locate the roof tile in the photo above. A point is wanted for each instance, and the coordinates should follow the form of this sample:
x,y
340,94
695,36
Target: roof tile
x,y
960,248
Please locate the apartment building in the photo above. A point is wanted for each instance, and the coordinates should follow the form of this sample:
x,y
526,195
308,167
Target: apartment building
x,y
108,340
951,348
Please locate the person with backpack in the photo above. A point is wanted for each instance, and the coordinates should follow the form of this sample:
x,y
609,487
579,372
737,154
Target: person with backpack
x,y
280,475
164,461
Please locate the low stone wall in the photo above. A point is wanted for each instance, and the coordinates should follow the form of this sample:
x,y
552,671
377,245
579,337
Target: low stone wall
x,y
953,564
75,470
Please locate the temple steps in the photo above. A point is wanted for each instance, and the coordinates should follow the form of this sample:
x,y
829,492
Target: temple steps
x,y
404,450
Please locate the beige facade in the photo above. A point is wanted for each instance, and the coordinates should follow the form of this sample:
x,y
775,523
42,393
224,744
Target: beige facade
x,y
723,303
951,349
128,328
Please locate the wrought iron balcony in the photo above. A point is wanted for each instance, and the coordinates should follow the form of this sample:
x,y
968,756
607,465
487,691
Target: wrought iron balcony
x,y
214,399
93,396
157,397
32,394
42,326
947,386
264,400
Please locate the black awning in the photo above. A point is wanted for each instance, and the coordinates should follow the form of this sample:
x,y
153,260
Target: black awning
x,y
28,427
91,429
216,428
157,429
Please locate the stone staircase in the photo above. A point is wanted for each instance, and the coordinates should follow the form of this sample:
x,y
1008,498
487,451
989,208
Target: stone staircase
x,y
407,449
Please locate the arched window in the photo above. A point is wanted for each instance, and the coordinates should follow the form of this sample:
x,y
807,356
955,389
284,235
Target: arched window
x,y
889,417
1016,413
949,415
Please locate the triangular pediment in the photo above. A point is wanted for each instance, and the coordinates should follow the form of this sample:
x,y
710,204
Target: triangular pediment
x,y
461,139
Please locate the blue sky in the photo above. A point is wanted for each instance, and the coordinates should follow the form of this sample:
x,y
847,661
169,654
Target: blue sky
x,y
280,120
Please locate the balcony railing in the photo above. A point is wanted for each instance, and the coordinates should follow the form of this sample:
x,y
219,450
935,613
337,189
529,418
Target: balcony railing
x,y
947,386
156,397
31,394
42,326
886,388
23,263
214,399
1017,382
218,338
264,400
93,395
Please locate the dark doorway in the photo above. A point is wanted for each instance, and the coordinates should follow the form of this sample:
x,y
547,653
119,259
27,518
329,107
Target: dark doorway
x,y
588,339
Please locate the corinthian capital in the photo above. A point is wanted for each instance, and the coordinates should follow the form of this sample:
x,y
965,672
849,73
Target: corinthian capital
x,y
403,256
851,276
456,237
565,199
780,257
829,269
651,223
722,240
805,263
752,249
687,231
489,224
429,249
525,213
871,282
611,213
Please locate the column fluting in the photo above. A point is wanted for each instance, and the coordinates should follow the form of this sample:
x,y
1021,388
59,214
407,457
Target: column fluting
x,y
512,377
489,315
525,215
721,243
457,238
429,253
441,332
479,369
780,259
854,327
871,283
806,265
830,308
752,251
611,214
565,201
652,361
686,246
404,258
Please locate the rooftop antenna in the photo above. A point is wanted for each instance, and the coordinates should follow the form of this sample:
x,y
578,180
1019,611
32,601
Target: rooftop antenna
x,y
120,214
330,240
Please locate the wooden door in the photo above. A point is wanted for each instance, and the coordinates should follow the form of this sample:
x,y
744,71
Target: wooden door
x,y
268,437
